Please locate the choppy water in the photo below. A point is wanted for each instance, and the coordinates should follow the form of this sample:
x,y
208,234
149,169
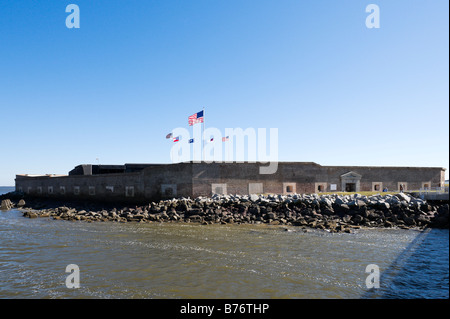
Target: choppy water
x,y
6,189
215,261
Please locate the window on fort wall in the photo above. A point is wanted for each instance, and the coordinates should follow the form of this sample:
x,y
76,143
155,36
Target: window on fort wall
x,y
62,190
320,188
76,190
91,190
168,190
289,189
220,189
376,187
129,191
255,188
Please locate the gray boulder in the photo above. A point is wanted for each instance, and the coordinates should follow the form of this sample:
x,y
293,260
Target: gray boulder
x,y
383,205
403,197
326,202
356,203
340,200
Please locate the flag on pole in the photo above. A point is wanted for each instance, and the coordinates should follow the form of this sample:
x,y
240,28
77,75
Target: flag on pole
x,y
196,118
191,140
169,135
176,139
226,138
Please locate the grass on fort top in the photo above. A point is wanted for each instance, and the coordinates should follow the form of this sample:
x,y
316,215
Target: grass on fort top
x,y
373,193
360,193
350,193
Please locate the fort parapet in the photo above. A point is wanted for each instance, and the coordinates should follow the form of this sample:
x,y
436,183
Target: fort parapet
x,y
145,182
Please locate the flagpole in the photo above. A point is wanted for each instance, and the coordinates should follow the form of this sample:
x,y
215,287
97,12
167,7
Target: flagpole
x,y
193,146
203,134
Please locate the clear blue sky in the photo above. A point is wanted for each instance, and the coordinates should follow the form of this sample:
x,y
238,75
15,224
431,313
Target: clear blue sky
x,y
338,92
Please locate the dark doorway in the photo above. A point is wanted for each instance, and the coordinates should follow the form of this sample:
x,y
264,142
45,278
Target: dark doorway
x,y
350,187
168,191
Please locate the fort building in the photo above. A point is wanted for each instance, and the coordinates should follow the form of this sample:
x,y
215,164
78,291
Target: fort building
x,y
146,182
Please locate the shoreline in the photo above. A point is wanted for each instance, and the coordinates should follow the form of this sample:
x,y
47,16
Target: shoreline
x,y
333,213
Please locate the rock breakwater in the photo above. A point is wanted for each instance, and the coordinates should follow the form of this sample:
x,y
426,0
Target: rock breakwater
x,y
334,213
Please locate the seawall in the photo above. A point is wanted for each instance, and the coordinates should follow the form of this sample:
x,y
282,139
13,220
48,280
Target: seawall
x,y
328,212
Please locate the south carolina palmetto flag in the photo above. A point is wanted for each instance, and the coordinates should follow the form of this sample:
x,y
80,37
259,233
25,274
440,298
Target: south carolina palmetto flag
x,y
196,118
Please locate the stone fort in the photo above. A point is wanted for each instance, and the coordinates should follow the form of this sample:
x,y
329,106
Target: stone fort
x,y
146,182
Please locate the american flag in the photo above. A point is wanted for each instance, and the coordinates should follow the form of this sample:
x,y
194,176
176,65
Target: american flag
x,y
169,135
224,139
196,118
176,139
